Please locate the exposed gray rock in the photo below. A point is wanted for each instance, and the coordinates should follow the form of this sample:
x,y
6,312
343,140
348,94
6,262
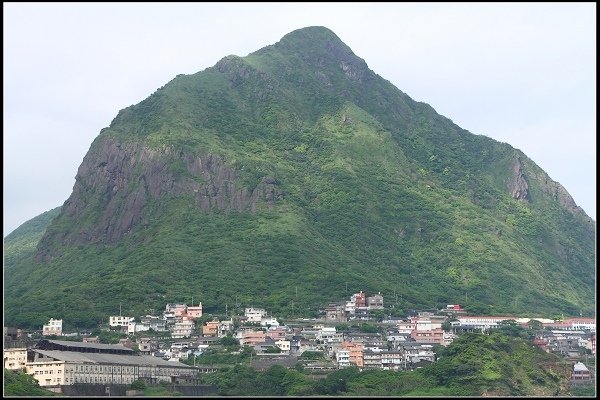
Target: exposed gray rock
x,y
518,187
116,182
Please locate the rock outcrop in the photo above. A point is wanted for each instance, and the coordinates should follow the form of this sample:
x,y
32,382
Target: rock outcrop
x,y
518,187
116,182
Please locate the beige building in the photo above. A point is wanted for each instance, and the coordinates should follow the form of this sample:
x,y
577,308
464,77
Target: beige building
x,y
182,329
57,363
15,359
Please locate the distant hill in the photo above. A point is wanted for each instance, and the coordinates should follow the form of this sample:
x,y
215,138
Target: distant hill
x,y
22,242
292,177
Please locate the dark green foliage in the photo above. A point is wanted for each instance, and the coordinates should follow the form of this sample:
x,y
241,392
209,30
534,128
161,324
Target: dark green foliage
x,y
138,385
22,384
229,342
378,191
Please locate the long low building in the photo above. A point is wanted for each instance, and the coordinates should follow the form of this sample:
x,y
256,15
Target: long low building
x,y
57,363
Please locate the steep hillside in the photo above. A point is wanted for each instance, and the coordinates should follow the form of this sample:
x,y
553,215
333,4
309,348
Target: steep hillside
x,y
23,241
296,169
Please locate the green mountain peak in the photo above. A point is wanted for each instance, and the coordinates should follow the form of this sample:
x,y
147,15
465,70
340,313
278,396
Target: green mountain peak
x,y
297,167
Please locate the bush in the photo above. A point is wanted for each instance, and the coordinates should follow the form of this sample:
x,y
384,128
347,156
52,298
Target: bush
x,y
138,385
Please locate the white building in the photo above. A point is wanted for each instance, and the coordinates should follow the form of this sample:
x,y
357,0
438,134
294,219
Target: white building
x,y
120,320
135,327
271,321
255,314
284,346
343,358
481,322
54,327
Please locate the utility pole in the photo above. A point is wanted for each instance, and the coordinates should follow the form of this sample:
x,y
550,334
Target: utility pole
x,y
346,288
296,291
119,309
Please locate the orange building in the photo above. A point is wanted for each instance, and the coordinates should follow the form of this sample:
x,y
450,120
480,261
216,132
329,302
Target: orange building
x,y
357,352
253,338
210,329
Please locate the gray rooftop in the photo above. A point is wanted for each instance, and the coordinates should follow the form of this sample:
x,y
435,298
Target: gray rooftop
x,y
100,346
101,358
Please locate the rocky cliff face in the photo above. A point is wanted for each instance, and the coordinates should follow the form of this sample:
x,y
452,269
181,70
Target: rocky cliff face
x,y
518,187
120,179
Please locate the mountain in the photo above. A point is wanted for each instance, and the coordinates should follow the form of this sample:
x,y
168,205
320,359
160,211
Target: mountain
x,y
292,177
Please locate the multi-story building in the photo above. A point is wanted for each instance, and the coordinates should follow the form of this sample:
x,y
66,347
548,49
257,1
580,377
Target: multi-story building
x,y
54,327
255,314
336,312
329,335
356,352
252,338
482,322
15,358
375,302
581,372
157,324
359,299
147,346
284,346
135,327
182,329
54,363
343,358
178,310
210,328
429,336
392,360
194,312
372,359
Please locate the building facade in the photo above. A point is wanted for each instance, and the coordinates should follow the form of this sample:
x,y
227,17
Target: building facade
x,y
54,327
15,358
57,363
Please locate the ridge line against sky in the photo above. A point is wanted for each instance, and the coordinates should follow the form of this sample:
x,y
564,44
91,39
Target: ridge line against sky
x,y
524,74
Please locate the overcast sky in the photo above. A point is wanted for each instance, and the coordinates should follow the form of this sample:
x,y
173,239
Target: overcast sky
x,y
524,74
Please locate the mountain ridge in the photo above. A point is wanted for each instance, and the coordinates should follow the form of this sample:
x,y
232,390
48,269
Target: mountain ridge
x,y
299,166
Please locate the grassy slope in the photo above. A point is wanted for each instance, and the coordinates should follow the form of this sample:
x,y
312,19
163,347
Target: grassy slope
x,y
379,191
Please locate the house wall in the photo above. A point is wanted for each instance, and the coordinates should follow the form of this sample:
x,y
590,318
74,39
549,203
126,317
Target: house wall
x,y
15,359
47,372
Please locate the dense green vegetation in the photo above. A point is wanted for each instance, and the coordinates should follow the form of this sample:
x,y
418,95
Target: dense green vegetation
x,y
22,384
22,241
378,193
474,365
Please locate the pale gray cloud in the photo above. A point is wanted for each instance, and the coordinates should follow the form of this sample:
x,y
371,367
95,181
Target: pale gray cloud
x,y
524,74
